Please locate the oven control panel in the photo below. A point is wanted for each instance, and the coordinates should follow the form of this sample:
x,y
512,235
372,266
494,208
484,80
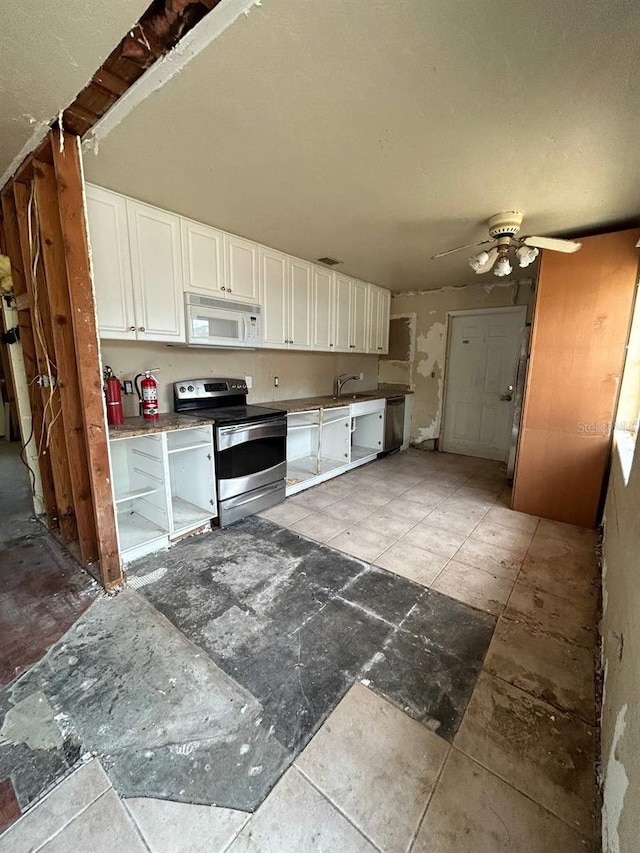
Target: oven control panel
x,y
203,389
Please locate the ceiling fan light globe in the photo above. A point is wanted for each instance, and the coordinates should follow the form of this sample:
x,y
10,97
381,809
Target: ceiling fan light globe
x,y
502,267
478,261
526,255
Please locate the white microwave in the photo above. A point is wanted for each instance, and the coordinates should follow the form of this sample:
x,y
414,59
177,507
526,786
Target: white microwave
x,y
221,323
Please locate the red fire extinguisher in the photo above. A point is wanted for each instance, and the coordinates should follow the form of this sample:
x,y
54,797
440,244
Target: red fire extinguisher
x,y
147,395
112,392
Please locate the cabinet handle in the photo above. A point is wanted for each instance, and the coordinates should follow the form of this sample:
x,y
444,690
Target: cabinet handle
x,y
208,456
330,345
228,290
223,288
141,329
132,328
346,455
379,347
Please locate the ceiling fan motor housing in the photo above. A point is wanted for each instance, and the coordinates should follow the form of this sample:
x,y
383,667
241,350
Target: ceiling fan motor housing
x,y
505,224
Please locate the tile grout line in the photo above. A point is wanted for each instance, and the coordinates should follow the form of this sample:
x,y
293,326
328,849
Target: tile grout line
x,y
414,837
136,827
519,790
335,806
74,818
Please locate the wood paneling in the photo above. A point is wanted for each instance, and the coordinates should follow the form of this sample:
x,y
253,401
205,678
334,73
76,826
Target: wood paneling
x,y
581,324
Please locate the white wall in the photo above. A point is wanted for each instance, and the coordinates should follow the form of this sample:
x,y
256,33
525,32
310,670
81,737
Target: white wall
x,y
620,752
300,374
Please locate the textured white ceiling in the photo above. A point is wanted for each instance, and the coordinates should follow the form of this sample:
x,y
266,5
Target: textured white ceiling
x,y
48,52
382,132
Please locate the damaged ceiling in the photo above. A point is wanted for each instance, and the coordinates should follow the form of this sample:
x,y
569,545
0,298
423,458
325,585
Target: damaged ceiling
x,y
49,52
382,133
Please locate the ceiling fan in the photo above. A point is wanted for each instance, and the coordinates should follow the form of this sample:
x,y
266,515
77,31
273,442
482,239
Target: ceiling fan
x,y
503,228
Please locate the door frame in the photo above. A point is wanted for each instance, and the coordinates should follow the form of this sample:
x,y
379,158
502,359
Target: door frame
x,y
509,309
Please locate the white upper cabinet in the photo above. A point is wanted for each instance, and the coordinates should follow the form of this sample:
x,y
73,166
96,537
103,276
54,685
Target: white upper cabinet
x,y
359,316
342,314
379,305
300,303
383,320
144,259
322,319
240,270
202,258
109,237
156,273
351,315
286,288
274,277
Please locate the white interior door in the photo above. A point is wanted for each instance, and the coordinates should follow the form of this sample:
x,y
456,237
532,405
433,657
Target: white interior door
x,y
481,374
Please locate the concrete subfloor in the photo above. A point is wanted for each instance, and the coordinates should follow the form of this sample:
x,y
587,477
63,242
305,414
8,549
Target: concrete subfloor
x,y
263,692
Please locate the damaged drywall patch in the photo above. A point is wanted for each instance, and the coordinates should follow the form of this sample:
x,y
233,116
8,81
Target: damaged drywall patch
x,y
615,788
432,344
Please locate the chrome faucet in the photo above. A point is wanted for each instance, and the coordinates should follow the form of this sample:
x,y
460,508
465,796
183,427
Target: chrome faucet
x,y
342,380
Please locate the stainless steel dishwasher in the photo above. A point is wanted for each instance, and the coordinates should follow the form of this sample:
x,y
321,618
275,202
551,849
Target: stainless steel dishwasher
x,y
393,424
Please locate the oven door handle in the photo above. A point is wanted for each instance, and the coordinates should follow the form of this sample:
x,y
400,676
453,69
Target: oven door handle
x,y
231,436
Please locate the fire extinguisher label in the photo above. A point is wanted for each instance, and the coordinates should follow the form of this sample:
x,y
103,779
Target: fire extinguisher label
x,y
150,394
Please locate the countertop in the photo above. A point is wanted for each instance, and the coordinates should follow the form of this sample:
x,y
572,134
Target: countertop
x,y
164,423
307,404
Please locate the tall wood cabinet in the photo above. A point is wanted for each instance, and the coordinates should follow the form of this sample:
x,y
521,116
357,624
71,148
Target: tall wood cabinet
x,y
583,310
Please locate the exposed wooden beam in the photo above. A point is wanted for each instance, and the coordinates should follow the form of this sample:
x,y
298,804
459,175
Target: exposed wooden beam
x,y
51,397
57,295
13,250
110,83
68,172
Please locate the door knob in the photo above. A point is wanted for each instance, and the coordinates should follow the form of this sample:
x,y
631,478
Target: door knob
x,y
508,395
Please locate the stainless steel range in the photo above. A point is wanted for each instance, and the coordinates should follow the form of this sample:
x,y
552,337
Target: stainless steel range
x,y
250,444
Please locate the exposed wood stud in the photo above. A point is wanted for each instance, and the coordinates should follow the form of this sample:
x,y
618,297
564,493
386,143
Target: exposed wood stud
x,y
68,173
51,400
110,83
12,249
52,248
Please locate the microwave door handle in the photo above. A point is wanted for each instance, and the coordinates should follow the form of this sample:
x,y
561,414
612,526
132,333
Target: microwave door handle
x,y
245,329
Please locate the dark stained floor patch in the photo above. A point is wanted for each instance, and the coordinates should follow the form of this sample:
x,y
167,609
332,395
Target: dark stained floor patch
x,y
295,623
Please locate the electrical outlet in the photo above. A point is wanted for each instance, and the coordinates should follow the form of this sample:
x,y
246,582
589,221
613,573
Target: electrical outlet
x,y
249,381
276,381
128,386
361,376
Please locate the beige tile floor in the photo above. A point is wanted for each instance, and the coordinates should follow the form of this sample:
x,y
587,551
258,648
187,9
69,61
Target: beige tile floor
x,y
519,775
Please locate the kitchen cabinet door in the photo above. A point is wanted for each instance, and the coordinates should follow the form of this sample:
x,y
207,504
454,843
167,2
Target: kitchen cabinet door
x,y
111,263
384,315
300,303
274,268
359,316
322,314
342,314
201,258
156,270
241,269
373,343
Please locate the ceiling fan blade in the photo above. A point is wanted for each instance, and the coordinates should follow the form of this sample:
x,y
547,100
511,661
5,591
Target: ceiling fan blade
x,y
493,254
460,248
553,243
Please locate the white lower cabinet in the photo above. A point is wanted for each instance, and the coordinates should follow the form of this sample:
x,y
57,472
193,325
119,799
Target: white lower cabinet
x,y
164,487
326,442
367,429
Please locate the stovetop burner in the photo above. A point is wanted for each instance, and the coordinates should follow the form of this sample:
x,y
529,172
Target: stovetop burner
x,y
224,401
